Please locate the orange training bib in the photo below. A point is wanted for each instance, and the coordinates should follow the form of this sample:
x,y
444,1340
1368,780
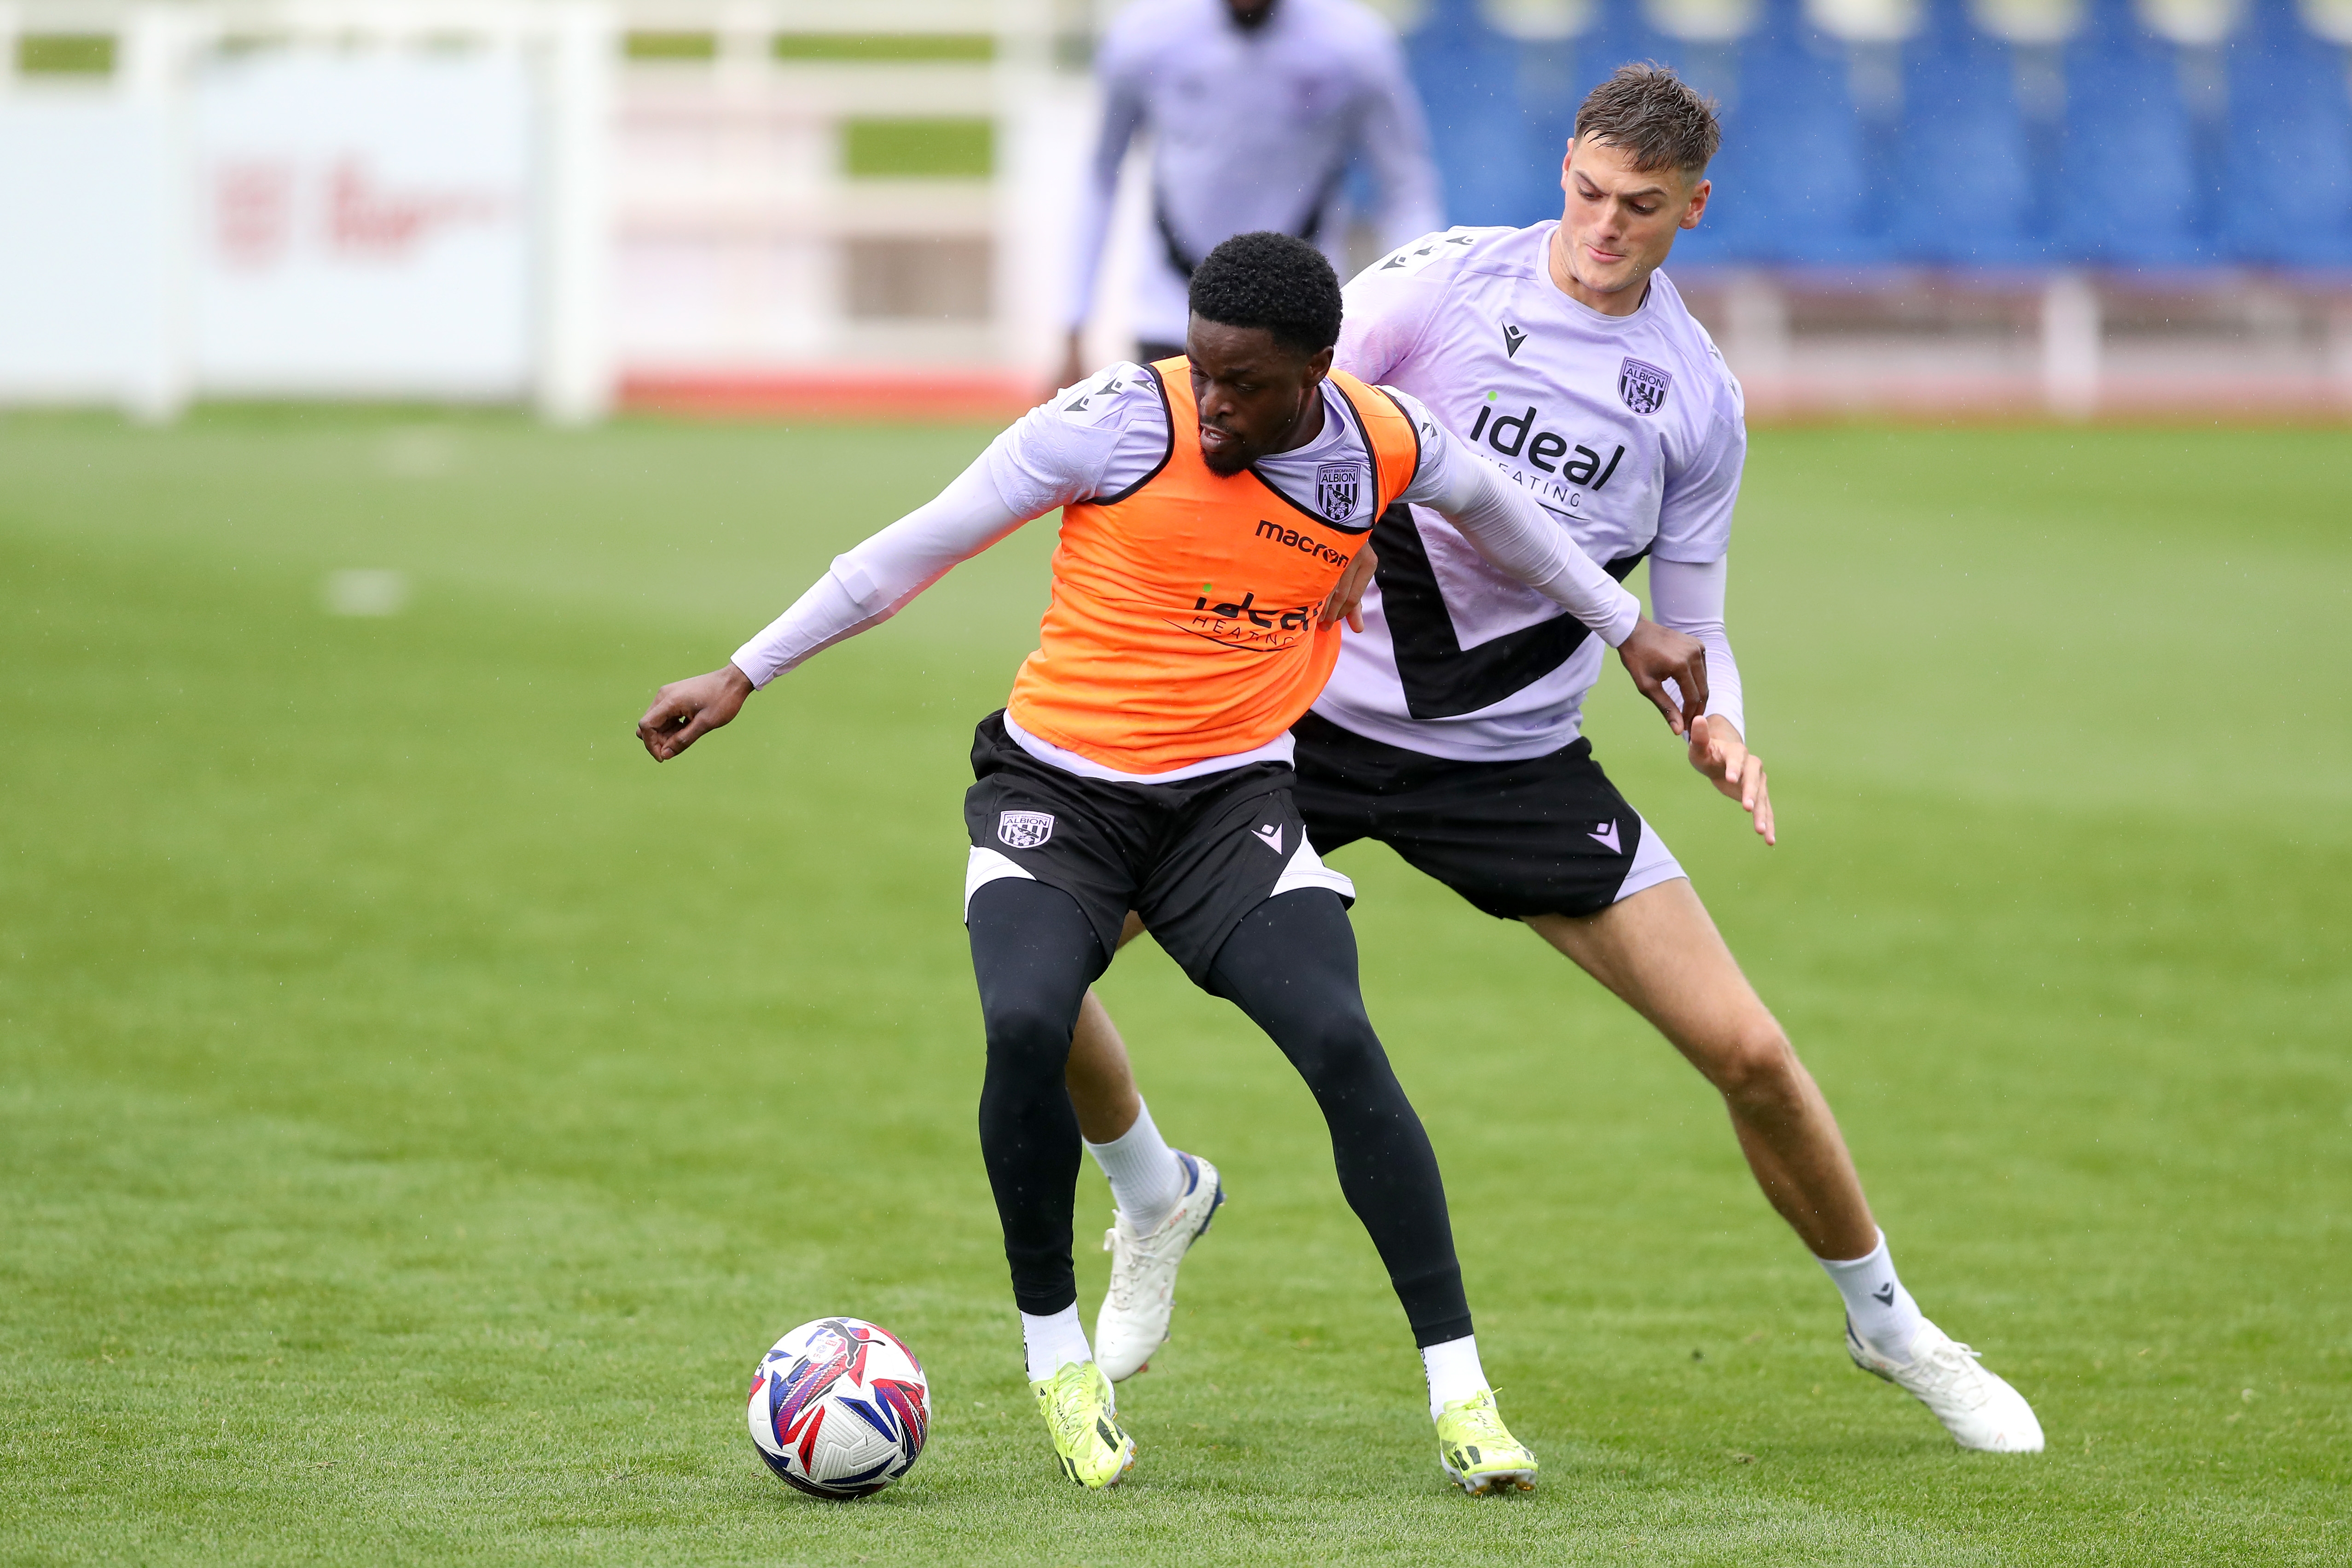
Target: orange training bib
x,y
1183,621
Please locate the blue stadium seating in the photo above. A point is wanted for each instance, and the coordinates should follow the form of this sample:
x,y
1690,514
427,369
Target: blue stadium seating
x,y
2286,193
1964,197
2131,186
1792,186
1961,172
1468,81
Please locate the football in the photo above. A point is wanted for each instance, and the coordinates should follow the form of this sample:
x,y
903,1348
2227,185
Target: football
x,y
839,1408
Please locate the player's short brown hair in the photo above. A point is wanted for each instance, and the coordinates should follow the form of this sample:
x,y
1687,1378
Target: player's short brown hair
x,y
1648,112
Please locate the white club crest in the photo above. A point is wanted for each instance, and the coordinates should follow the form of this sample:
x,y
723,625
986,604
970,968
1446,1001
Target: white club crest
x,y
1642,385
1338,487
1025,829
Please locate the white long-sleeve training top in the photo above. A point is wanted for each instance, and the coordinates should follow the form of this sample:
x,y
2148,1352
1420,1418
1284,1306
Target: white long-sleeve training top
x,y
1629,430
1250,129
1103,435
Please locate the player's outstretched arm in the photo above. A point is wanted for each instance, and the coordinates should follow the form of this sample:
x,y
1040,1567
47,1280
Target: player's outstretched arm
x,y
865,586
1047,464
685,711
1505,525
1515,535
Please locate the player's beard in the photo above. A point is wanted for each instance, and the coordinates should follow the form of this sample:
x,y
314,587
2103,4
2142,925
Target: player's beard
x,y
1226,464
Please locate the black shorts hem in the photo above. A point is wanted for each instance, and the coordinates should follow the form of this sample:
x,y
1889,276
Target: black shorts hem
x,y
1545,835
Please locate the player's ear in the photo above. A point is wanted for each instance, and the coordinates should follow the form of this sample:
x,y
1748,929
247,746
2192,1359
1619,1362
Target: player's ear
x,y
1697,204
1318,366
1565,160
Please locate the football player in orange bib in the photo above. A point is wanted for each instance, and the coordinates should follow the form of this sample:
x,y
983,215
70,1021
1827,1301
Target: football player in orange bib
x,y
1214,513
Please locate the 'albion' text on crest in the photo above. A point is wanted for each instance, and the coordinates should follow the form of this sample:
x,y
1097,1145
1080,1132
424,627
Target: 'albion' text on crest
x,y
1025,829
1338,488
1642,385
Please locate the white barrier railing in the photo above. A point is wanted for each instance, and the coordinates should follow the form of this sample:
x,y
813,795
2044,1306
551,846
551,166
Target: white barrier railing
x,y
506,199
304,199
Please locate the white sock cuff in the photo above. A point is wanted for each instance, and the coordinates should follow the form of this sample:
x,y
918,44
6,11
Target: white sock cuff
x,y
1141,1133
1147,1180
1454,1371
1875,1258
1053,1341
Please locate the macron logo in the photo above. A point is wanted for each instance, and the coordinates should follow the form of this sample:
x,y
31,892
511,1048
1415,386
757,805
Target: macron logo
x,y
1270,836
1512,339
1607,835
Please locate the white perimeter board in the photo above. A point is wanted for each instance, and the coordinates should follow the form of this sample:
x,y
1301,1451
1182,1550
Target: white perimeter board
x,y
363,224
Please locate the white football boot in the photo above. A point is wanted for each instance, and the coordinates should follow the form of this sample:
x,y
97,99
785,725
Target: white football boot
x,y
1977,1407
1134,1319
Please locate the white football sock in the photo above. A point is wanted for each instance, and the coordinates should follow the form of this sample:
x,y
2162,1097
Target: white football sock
x,y
1454,1372
1054,1342
1884,1315
1146,1177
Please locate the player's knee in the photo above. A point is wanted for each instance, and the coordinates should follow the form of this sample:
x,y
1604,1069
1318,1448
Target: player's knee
x,y
1755,1066
1336,1052
1028,1030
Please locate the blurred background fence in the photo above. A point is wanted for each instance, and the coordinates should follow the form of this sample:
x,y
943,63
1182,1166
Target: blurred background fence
x,y
2076,207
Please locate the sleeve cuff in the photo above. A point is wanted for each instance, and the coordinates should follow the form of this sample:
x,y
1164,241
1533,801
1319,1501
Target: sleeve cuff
x,y
1627,617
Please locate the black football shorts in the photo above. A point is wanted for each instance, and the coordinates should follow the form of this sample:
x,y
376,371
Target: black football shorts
x,y
1544,836
1191,858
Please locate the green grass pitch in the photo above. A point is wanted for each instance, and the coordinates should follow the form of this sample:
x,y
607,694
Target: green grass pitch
x,y
418,1110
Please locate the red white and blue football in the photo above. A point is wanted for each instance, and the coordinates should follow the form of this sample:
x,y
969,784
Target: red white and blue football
x,y
840,1408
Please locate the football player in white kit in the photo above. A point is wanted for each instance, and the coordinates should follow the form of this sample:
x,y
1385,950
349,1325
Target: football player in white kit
x,y
1257,110
1450,728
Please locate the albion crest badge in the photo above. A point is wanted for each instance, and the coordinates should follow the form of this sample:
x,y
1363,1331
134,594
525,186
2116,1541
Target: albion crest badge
x,y
1642,385
1025,829
1338,487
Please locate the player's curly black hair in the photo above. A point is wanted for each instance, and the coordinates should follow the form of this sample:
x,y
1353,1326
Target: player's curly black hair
x,y
1270,281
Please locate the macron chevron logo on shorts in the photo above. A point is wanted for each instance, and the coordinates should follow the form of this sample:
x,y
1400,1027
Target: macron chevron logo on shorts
x,y
1270,836
1025,829
1606,834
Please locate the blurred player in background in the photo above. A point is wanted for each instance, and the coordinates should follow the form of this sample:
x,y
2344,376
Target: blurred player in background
x,y
1450,731
1257,110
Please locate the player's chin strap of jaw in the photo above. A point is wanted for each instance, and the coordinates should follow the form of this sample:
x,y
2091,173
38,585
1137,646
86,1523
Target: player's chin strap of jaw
x,y
1517,537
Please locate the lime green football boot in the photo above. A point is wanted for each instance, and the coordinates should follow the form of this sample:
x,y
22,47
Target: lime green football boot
x,y
1478,1452
1082,1413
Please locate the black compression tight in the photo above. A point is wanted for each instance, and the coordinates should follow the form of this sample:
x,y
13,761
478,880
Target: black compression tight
x,y
1290,965
1035,953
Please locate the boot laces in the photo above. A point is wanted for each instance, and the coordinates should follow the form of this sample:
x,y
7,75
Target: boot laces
x,y
1140,1253
1482,1424
1950,1370
1067,1405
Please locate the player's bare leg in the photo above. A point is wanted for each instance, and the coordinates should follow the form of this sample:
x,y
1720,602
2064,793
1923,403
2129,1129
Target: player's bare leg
x,y
1101,1077
1165,1197
1661,954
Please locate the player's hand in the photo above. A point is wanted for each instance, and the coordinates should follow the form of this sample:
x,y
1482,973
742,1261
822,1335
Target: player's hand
x,y
1347,600
1717,751
685,711
1654,656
